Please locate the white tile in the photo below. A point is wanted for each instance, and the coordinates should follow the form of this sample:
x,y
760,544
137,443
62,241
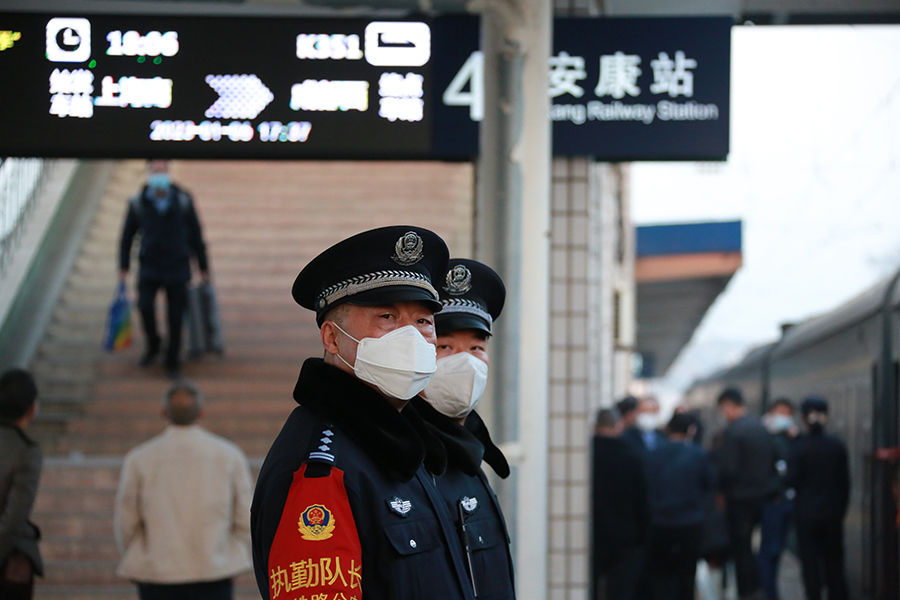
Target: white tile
x,y
578,569
578,228
578,261
559,230
558,572
558,365
559,331
578,501
557,461
557,500
558,432
559,295
577,360
558,398
578,466
578,193
577,396
578,297
559,260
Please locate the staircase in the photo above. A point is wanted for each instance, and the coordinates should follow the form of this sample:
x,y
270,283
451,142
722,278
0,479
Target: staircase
x,y
263,221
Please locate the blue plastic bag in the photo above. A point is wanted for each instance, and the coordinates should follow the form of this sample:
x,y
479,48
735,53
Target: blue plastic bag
x,y
118,322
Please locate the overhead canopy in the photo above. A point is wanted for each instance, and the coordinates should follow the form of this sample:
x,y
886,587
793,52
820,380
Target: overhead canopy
x,y
679,270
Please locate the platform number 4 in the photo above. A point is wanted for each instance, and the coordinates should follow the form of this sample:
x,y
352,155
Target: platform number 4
x,y
472,75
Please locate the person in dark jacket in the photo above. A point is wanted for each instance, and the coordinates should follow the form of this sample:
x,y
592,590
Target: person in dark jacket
x,y
20,472
748,478
620,513
472,297
777,519
345,504
164,215
629,409
819,473
681,483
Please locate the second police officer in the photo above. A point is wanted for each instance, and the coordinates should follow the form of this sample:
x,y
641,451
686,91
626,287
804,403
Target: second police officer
x,y
472,296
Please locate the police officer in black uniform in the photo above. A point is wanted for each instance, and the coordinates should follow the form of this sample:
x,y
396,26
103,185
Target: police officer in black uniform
x,y
472,296
344,506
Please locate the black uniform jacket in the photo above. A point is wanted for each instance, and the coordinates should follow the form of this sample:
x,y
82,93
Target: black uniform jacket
x,y
408,544
468,496
819,472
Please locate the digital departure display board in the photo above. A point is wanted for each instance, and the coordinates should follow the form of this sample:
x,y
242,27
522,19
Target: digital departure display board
x,y
228,87
125,86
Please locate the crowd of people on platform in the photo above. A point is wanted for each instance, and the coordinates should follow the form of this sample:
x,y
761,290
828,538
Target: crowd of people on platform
x,y
661,502
375,485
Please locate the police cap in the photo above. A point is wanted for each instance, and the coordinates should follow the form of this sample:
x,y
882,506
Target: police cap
x,y
814,404
372,268
472,295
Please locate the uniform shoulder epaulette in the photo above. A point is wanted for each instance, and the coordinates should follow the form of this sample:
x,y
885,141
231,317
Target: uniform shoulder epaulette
x,y
320,458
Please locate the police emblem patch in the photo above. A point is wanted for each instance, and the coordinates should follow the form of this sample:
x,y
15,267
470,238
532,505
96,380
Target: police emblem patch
x,y
316,523
458,281
408,249
470,505
400,506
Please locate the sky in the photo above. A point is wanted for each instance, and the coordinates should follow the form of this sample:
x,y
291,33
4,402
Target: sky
x,y
813,173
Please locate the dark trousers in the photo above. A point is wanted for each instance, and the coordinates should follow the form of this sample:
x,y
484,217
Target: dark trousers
x,y
821,548
743,516
672,561
206,590
615,573
16,578
176,301
774,526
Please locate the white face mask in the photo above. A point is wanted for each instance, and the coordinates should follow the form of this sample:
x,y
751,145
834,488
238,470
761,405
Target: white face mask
x,y
457,384
399,363
647,421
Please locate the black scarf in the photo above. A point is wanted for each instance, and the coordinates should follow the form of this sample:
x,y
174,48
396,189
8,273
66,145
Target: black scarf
x,y
467,445
464,451
398,442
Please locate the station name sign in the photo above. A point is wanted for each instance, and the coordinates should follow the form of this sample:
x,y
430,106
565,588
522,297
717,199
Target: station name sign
x,y
111,86
641,89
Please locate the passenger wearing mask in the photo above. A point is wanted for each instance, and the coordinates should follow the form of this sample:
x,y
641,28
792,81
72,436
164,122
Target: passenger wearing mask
x,y
819,473
648,422
776,518
472,296
748,479
620,511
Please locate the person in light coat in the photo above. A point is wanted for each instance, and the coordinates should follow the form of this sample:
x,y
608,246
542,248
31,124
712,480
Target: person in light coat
x,y
182,514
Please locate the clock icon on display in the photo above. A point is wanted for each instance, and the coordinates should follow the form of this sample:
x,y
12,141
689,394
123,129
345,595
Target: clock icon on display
x,y
68,40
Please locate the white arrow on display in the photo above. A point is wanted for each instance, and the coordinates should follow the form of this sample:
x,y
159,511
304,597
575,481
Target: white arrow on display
x,y
240,96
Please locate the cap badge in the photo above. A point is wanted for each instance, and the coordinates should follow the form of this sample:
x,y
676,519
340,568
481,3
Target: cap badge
x,y
408,249
470,505
459,280
316,523
400,506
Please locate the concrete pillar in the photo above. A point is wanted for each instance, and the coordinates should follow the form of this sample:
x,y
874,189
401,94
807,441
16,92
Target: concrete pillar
x,y
512,235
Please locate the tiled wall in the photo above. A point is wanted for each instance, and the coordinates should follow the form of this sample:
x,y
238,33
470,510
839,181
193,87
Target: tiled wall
x,y
588,267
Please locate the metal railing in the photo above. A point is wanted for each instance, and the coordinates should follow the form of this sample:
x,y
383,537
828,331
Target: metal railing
x,y
20,179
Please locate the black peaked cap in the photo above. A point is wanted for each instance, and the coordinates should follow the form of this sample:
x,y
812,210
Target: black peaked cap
x,y
400,263
472,295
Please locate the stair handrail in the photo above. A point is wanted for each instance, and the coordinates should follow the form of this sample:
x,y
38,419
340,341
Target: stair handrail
x,y
20,181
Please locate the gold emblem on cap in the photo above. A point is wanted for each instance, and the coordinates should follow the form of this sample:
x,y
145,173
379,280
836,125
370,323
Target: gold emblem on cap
x,y
408,249
459,280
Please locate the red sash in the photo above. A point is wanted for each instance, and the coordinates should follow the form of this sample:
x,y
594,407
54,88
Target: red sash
x,y
316,553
